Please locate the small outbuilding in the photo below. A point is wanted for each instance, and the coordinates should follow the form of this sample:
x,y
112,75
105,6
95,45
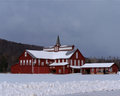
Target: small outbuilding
x,y
99,68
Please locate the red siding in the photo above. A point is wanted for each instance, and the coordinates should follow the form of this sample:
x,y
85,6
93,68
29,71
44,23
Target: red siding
x,y
15,68
115,68
80,57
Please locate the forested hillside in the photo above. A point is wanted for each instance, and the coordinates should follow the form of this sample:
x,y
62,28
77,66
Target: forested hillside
x,y
10,51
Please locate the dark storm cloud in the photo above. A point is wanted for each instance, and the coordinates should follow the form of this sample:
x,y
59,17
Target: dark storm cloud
x,y
92,25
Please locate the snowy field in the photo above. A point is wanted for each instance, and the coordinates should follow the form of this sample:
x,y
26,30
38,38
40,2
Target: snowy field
x,y
59,85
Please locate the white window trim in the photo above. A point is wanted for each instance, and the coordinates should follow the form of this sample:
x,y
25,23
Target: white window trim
x,y
81,62
21,62
74,62
39,62
66,60
78,62
71,62
46,61
58,60
42,64
55,61
26,62
92,69
30,62
59,71
25,54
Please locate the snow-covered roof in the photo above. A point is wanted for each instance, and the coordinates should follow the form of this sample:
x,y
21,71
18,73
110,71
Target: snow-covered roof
x,y
50,55
97,65
75,67
59,64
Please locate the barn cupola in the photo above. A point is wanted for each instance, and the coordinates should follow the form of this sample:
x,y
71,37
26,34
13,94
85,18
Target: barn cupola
x,y
56,48
58,41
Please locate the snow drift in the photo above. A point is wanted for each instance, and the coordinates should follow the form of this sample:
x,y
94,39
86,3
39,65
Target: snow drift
x,y
56,85
56,88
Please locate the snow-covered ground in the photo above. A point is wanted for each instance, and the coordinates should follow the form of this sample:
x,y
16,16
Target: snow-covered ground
x,y
59,85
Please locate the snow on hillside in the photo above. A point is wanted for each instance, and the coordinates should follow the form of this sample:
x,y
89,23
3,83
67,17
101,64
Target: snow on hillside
x,y
56,85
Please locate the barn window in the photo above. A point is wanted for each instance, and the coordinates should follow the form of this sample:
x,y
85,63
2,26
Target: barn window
x,y
55,61
59,70
39,62
46,61
92,69
78,62
76,55
74,62
20,62
71,62
25,54
81,62
26,62
30,62
106,69
101,70
42,63
23,62
66,60
34,61
58,61
110,69
67,66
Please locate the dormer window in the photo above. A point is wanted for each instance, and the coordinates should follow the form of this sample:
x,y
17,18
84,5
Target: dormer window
x,y
25,54
76,55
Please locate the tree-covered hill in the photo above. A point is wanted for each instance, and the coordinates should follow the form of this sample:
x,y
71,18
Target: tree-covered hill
x,y
10,51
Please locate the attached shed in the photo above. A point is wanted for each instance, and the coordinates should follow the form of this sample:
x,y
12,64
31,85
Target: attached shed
x,y
60,68
99,68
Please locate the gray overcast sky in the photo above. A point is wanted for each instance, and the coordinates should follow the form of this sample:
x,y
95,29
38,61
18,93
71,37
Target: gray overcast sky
x,y
93,26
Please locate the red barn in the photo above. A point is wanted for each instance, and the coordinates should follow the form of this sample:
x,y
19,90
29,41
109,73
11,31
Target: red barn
x,y
59,59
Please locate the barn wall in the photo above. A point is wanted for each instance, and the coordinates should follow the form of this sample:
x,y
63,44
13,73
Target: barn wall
x,y
74,59
115,68
15,68
64,69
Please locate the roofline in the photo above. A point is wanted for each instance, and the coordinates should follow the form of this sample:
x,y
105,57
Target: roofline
x,y
75,51
30,53
98,66
43,58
